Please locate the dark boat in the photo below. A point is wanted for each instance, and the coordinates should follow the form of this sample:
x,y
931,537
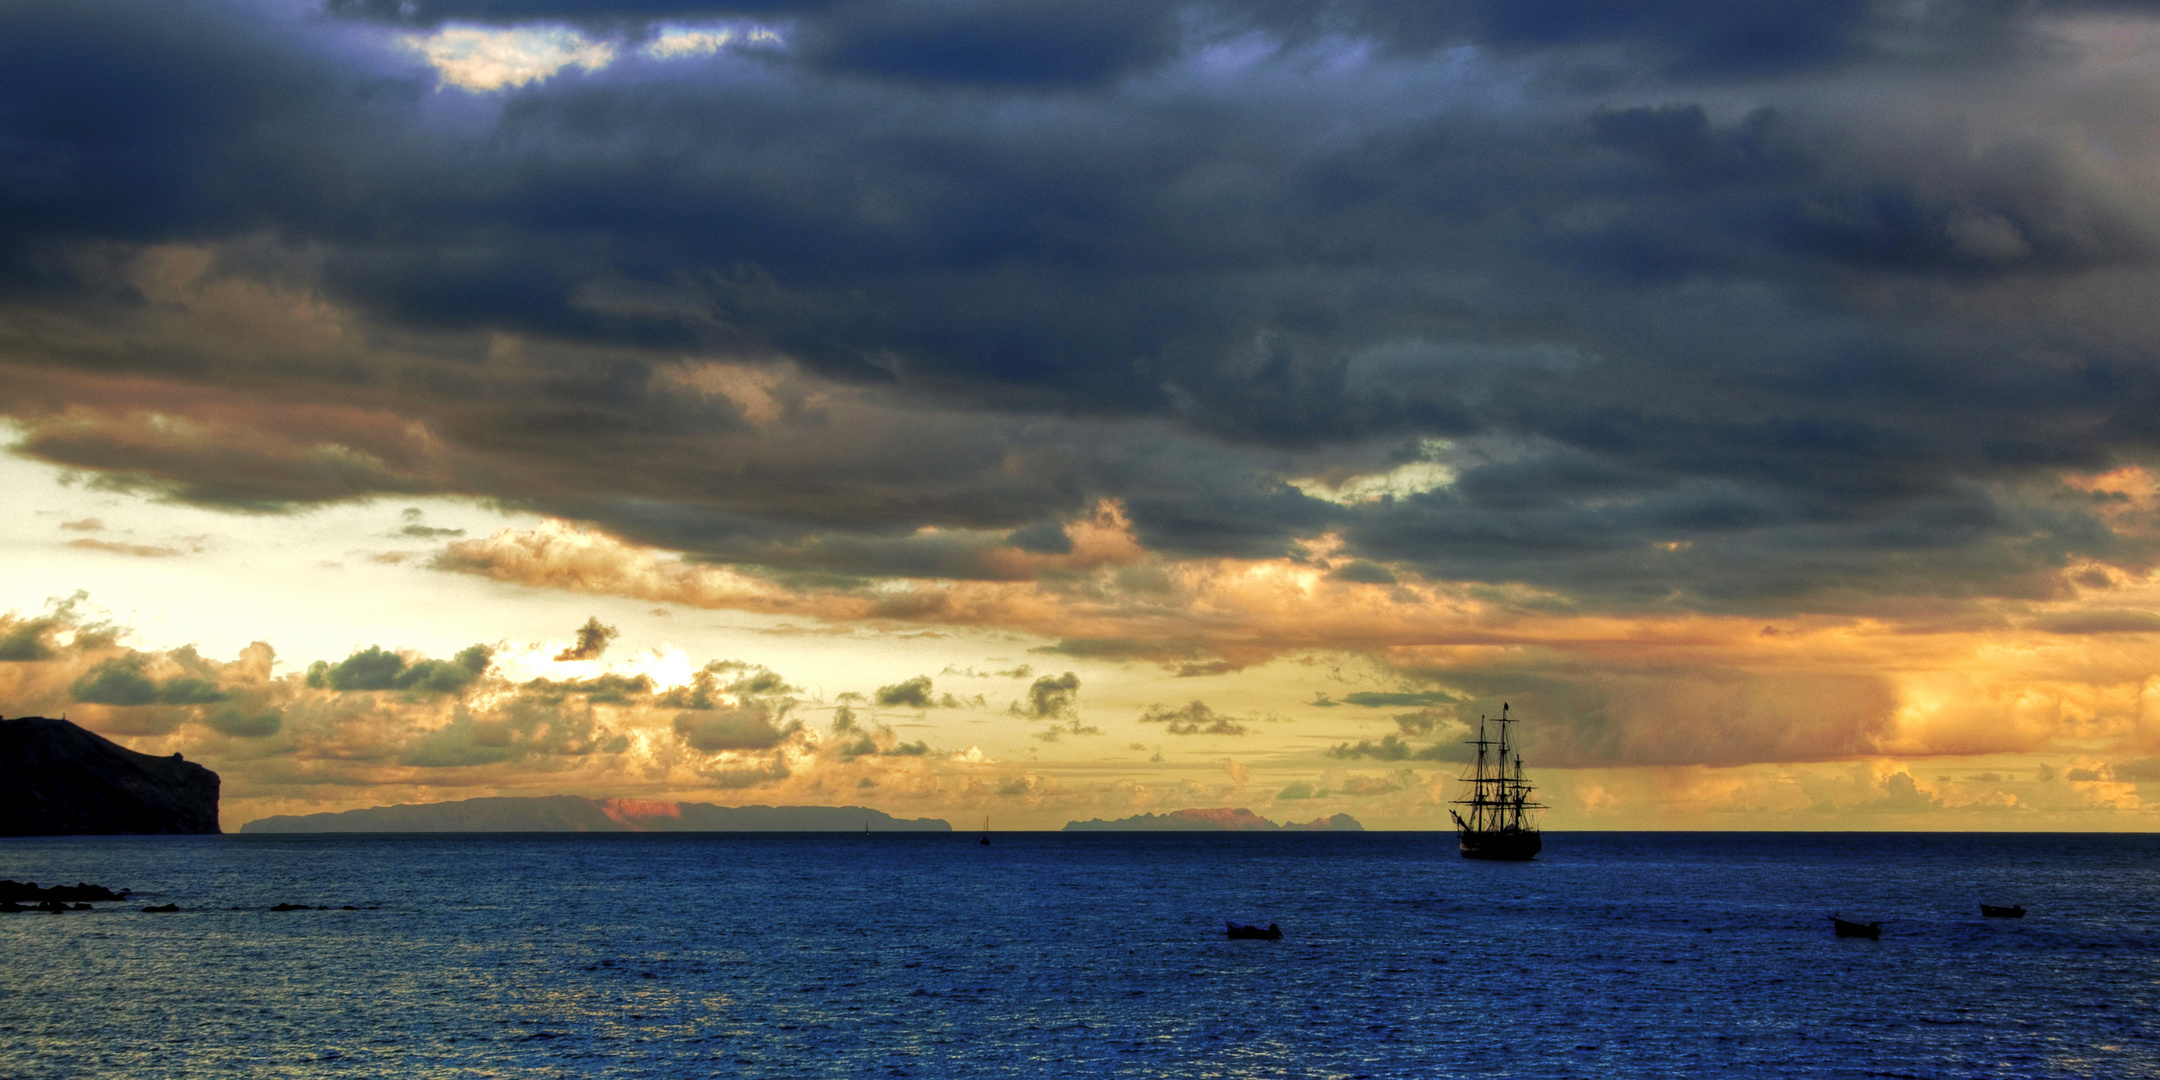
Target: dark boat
x,y
2013,912
1498,826
1270,932
985,841
1870,931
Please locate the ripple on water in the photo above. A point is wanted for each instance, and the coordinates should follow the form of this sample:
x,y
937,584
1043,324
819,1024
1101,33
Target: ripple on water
x,y
665,956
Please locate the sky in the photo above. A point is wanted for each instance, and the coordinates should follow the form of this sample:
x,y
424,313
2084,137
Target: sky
x,y
1041,410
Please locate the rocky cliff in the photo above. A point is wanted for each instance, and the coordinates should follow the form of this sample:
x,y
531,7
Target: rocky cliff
x,y
57,780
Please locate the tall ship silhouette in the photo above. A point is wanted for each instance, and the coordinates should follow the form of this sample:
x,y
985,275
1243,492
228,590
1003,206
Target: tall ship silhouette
x,y
1499,824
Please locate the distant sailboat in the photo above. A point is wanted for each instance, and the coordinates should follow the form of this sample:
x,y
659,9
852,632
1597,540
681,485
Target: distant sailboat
x,y
985,841
1498,826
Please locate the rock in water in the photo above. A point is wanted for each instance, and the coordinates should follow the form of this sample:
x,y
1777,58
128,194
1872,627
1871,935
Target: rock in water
x,y
58,780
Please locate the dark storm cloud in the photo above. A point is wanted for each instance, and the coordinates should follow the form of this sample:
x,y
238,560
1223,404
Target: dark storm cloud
x,y
1421,722
1362,572
592,640
1051,697
433,13
1730,546
1381,699
524,727
1048,537
1160,650
910,694
2103,621
26,643
1053,43
934,40
750,727
855,740
1195,718
376,668
1393,747
2145,770
118,681
1042,44
245,723
1694,333
751,685
1573,716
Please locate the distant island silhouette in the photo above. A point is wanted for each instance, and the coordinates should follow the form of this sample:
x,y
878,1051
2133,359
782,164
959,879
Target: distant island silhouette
x,y
56,779
572,813
1221,819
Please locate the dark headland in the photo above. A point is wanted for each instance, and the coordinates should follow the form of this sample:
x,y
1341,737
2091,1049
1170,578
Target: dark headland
x,y
1221,819
571,813
58,780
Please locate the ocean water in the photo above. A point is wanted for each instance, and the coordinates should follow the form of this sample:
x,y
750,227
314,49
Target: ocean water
x,y
926,955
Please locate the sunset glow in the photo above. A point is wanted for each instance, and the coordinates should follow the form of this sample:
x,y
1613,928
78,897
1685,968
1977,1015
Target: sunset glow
x,y
1219,412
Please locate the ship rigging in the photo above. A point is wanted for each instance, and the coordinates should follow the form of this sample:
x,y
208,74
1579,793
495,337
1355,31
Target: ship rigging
x,y
1499,824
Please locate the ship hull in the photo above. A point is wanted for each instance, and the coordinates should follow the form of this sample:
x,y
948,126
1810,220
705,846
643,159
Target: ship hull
x,y
1514,845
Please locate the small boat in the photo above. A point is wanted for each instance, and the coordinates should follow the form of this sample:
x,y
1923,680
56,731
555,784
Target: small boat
x,y
2015,911
1870,931
1270,932
985,841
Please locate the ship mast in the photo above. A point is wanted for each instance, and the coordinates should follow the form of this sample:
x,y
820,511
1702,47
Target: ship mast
x,y
1498,796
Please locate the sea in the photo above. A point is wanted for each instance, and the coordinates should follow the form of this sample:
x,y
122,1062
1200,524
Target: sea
x,y
1084,954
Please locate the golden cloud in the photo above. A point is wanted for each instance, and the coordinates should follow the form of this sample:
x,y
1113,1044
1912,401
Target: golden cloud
x,y
1980,678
